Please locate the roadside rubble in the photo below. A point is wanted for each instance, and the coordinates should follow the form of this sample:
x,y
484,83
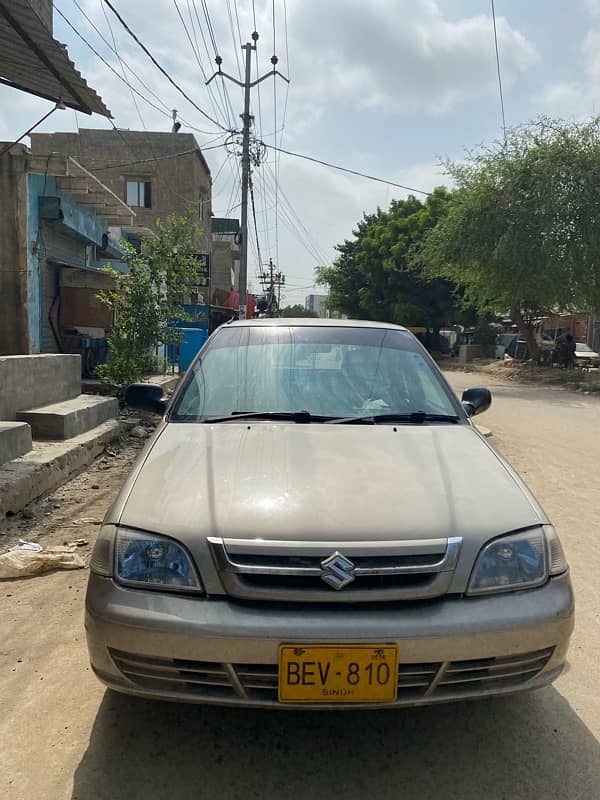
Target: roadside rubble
x,y
65,523
23,562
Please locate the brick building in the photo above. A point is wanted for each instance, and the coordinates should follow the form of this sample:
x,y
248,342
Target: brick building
x,y
158,174
155,173
58,224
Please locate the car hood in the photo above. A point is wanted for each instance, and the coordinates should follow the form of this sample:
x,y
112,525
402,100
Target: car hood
x,y
323,483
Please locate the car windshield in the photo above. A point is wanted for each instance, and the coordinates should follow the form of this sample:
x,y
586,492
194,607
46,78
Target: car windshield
x,y
329,372
583,348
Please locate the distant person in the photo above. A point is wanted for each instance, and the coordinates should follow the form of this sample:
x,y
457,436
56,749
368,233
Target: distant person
x,y
567,352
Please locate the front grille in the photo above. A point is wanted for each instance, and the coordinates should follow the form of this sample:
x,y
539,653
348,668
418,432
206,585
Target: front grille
x,y
257,683
302,571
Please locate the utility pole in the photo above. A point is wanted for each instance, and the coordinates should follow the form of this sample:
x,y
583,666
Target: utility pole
x,y
270,280
247,120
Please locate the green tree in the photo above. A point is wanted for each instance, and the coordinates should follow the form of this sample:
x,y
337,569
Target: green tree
x,y
147,297
375,275
296,311
522,232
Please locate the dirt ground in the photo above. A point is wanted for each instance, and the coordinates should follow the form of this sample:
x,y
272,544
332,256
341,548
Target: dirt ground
x,y
64,736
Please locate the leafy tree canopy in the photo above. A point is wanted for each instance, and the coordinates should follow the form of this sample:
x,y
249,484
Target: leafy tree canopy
x,y
376,277
522,232
147,297
296,311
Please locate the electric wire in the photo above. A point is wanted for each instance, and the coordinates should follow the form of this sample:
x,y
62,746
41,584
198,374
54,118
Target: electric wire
x,y
254,220
161,68
157,158
235,47
275,140
211,32
104,61
196,51
165,111
260,131
219,89
315,160
108,44
499,72
298,220
297,229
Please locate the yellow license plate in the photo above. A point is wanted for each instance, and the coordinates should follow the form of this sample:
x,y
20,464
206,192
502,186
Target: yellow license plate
x,y
361,673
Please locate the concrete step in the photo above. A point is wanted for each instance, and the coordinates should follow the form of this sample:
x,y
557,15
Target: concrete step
x,y
50,464
15,440
71,417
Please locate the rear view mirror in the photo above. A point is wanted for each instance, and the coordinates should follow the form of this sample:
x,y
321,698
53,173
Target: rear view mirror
x,y
476,401
146,397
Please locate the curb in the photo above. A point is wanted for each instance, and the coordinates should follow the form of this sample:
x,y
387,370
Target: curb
x,y
50,464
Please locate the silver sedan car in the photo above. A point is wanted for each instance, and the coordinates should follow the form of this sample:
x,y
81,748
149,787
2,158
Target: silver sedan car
x,y
317,522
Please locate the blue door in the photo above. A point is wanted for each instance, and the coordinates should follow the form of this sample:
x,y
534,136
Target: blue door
x,y
191,342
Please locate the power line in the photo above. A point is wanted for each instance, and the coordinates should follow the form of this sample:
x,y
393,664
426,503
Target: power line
x,y
196,51
295,216
162,111
107,43
170,181
347,169
210,90
251,185
235,47
104,61
294,224
499,73
260,130
157,158
211,32
161,68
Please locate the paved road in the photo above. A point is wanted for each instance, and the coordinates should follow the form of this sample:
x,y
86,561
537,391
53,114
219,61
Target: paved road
x,y
64,737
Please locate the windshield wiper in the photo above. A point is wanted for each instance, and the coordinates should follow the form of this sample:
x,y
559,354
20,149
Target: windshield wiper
x,y
286,416
413,418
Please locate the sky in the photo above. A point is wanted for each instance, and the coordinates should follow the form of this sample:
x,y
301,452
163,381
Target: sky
x,y
391,88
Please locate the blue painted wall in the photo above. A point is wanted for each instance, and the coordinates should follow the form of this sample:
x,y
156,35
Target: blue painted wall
x,y
78,221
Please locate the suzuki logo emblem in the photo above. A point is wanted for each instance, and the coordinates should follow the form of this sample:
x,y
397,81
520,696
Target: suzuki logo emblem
x,y
337,571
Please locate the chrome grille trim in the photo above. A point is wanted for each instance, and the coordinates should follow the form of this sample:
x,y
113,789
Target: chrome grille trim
x,y
252,683
292,571
224,555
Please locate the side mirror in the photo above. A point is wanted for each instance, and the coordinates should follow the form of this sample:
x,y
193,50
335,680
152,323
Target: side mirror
x,y
147,397
476,400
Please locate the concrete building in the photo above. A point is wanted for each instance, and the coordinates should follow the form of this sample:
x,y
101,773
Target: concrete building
x,y
317,303
58,224
225,266
155,173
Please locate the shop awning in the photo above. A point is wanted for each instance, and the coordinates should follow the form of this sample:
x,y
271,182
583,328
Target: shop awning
x,y
33,61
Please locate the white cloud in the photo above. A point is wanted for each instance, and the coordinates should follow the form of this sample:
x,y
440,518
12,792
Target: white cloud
x,y
581,97
401,55
592,7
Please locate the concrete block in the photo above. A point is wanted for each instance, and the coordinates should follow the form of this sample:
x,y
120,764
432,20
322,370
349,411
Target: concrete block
x,y
70,418
15,440
32,381
50,464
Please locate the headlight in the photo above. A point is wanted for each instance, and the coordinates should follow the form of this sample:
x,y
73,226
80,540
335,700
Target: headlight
x,y
151,561
518,561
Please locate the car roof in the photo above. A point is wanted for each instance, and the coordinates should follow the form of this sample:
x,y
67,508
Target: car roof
x,y
315,322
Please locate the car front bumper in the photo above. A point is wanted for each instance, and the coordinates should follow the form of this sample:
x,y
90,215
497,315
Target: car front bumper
x,y
219,651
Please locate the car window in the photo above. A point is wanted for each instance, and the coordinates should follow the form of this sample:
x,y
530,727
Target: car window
x,y
583,348
327,371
